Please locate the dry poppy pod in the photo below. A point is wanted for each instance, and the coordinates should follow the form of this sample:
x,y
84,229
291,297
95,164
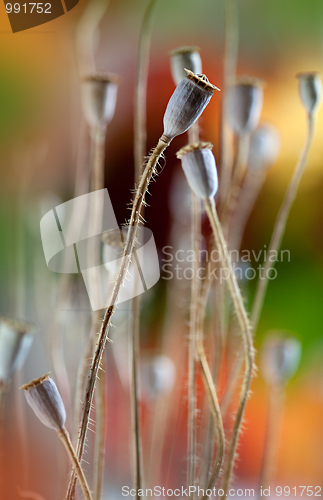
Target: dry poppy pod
x,y
244,104
187,103
15,341
99,98
184,58
280,359
310,89
264,147
43,397
199,166
158,375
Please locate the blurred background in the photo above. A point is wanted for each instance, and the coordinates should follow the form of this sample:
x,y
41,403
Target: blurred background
x,y
41,130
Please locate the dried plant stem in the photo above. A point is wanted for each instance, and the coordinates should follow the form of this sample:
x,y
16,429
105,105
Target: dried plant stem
x,y
103,336
275,243
193,137
140,147
100,432
216,415
97,183
85,34
140,129
3,393
281,221
191,423
272,438
231,45
135,396
65,438
248,195
247,340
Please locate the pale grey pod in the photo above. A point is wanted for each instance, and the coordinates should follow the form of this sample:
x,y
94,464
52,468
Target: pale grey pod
x,y
184,58
158,375
264,147
280,358
15,341
186,104
99,98
310,90
243,105
199,166
45,400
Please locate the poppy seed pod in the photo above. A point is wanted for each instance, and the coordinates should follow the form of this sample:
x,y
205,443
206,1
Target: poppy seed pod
x,y
310,90
99,98
184,58
199,166
186,104
280,359
15,341
264,147
244,104
43,397
158,375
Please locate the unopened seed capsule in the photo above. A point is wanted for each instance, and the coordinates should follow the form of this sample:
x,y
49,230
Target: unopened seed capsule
x,y
199,166
186,104
99,98
244,104
310,90
184,58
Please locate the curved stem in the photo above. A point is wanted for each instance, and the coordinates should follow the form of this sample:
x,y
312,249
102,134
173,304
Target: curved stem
x,y
65,438
216,415
247,340
103,335
281,221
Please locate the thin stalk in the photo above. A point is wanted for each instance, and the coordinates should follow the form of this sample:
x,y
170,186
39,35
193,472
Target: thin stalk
x,y
135,396
191,423
193,137
246,201
231,46
65,438
3,393
247,340
140,147
97,183
103,336
86,31
276,239
140,127
274,419
281,221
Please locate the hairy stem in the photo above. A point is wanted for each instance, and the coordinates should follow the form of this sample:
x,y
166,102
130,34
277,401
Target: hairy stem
x,y
103,335
65,438
281,221
247,340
